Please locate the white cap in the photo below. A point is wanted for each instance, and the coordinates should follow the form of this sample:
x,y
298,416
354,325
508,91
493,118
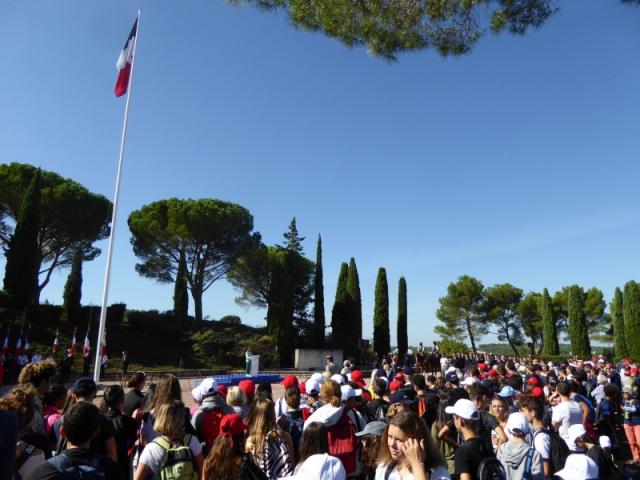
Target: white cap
x,y
347,392
320,467
338,378
605,442
450,369
205,388
517,424
318,377
464,409
575,432
579,466
312,385
469,381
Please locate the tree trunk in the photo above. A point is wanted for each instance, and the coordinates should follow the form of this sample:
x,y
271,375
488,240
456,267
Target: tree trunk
x,y
197,303
470,333
513,347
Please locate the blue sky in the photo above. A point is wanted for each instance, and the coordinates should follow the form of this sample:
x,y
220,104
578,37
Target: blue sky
x,y
516,163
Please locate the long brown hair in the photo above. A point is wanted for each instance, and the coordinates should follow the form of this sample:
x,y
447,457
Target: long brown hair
x,y
369,447
414,427
314,440
262,424
167,391
223,461
330,393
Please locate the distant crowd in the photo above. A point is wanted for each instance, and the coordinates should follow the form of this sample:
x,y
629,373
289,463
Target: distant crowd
x,y
476,417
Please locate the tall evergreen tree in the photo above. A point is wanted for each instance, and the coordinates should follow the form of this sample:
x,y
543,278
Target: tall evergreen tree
x,y
318,305
21,269
549,329
403,340
73,291
617,314
381,337
180,291
631,311
578,330
354,326
340,312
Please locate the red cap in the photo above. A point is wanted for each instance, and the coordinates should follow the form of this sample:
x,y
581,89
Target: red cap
x,y
534,381
399,376
223,390
493,373
634,371
483,366
537,392
289,381
395,386
248,387
303,387
232,425
358,378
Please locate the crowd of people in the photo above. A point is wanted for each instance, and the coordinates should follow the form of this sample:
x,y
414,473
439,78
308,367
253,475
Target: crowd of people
x,y
479,417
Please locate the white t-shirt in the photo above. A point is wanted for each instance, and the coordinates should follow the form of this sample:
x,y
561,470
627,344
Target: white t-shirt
x,y
566,414
153,454
438,473
542,444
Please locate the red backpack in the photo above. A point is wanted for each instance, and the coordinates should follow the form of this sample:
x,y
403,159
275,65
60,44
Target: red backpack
x,y
343,442
208,427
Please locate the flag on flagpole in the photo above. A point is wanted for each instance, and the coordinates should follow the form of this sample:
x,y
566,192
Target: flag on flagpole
x,y
18,347
56,344
74,341
125,60
5,344
86,348
25,346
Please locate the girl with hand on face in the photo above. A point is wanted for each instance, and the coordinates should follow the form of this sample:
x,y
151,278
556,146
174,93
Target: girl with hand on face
x,y
408,452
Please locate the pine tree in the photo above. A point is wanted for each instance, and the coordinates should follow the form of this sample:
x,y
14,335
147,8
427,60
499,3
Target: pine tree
x,y
578,331
631,309
403,340
549,329
73,291
381,337
354,326
617,321
180,291
21,269
318,305
340,312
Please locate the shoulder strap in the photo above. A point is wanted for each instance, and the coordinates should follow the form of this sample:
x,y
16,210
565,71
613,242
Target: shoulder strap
x,y
388,470
528,463
186,440
60,462
162,442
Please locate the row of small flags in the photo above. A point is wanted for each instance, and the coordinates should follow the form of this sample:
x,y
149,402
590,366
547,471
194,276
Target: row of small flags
x,y
22,344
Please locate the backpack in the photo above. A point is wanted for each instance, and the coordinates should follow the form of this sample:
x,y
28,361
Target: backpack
x,y
528,464
490,468
343,442
559,448
208,426
381,413
293,426
90,470
177,462
249,470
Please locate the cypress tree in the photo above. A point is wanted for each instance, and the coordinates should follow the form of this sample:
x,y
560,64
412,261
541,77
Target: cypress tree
x,y
403,340
180,292
617,320
578,331
381,337
340,311
354,327
73,291
21,269
318,305
631,309
549,329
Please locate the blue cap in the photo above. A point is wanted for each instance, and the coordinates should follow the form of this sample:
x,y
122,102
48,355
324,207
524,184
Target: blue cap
x,y
507,392
452,377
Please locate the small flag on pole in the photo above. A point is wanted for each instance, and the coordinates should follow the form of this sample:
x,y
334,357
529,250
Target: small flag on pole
x,y
5,345
74,341
25,344
125,60
18,351
56,344
86,348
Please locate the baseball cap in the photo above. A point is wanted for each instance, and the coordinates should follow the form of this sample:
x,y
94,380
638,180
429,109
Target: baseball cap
x,y
320,466
400,397
289,381
84,384
395,386
579,466
223,390
537,392
507,392
318,377
605,442
517,424
358,378
232,425
469,381
248,387
373,428
452,377
464,408
574,433
483,366
205,388
534,381
347,392
338,378
312,386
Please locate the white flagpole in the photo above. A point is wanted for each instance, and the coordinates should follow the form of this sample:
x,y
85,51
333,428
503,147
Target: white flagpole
x,y
116,196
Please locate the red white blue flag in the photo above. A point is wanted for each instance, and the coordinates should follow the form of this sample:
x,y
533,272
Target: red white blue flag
x,y
125,60
56,344
86,348
5,345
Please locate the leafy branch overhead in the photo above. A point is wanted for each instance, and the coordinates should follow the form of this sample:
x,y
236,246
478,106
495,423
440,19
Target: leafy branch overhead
x,y
390,27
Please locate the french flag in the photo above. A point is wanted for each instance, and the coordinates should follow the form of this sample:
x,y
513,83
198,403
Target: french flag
x,y
74,341
19,347
5,345
125,60
86,348
56,344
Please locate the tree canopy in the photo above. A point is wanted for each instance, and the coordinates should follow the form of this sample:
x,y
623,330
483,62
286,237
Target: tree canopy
x,y
211,233
71,217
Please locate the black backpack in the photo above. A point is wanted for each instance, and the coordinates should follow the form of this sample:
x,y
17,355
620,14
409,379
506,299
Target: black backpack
x,y
91,469
559,448
490,468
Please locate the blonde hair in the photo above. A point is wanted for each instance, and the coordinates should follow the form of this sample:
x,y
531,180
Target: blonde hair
x,y
236,397
262,424
35,373
330,393
169,419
